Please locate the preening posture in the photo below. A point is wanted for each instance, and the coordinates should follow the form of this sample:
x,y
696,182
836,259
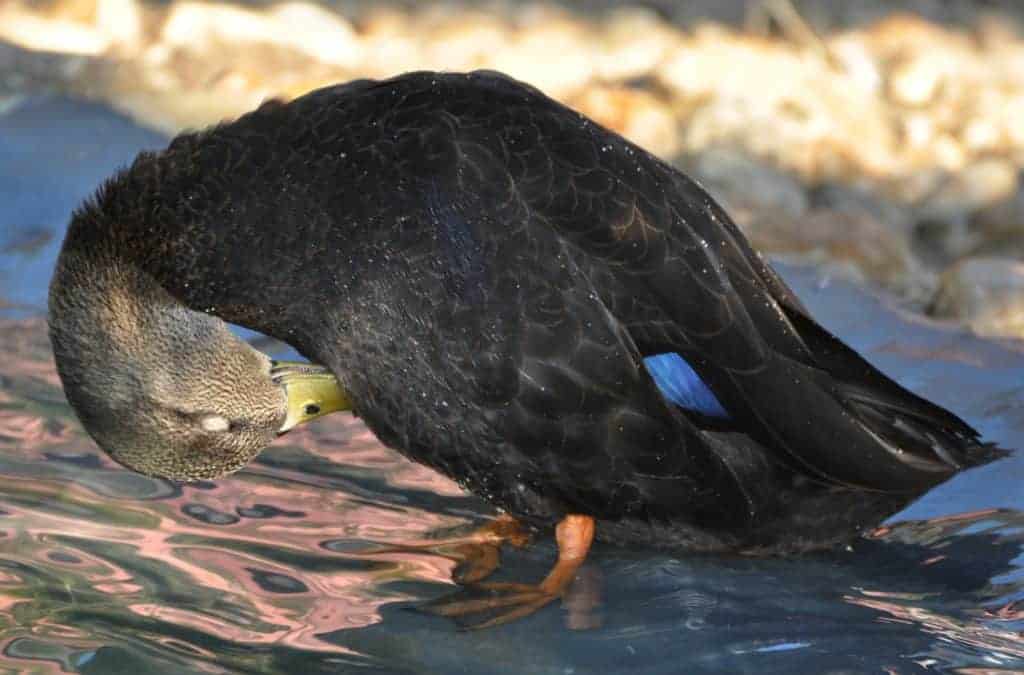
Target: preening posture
x,y
504,291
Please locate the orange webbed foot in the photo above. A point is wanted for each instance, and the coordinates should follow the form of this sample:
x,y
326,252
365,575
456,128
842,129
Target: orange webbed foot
x,y
476,555
488,604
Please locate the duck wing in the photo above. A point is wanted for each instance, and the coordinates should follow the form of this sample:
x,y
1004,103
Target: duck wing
x,y
675,270
664,259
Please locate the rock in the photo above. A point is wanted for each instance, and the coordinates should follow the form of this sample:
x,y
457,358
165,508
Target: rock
x,y
859,64
778,101
1010,120
947,153
919,131
901,33
985,293
633,43
994,32
170,111
745,184
550,51
722,64
462,40
854,240
926,115
937,242
391,43
917,81
1005,214
121,22
999,227
984,182
636,114
302,27
833,224
861,203
36,71
944,232
319,32
982,134
39,32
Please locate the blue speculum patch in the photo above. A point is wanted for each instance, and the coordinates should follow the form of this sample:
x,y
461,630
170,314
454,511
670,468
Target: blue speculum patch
x,y
681,384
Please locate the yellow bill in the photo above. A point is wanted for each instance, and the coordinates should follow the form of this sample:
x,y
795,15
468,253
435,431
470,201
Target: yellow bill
x,y
311,389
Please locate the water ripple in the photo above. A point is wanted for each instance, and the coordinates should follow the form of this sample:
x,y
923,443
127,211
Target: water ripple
x,y
306,561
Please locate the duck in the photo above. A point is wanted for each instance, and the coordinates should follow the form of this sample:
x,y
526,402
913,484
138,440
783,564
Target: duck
x,y
504,291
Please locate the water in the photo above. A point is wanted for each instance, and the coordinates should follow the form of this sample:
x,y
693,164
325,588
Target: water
x,y
105,571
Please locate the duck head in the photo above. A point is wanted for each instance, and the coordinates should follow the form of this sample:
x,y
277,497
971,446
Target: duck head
x,y
166,390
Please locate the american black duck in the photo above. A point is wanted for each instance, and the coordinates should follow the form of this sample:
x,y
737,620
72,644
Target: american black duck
x,y
504,291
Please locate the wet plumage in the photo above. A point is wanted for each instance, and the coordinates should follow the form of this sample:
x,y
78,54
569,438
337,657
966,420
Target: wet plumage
x,y
485,271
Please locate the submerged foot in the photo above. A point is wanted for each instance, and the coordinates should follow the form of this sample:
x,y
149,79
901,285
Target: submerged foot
x,y
487,604
476,555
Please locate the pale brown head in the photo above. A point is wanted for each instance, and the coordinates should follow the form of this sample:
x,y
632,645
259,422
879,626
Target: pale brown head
x,y
165,390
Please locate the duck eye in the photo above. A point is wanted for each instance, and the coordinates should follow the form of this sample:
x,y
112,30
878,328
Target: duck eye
x,y
214,423
312,409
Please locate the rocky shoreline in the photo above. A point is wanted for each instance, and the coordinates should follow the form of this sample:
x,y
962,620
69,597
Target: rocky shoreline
x,y
892,150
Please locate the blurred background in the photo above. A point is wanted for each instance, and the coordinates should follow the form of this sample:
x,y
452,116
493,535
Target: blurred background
x,y
883,138
873,150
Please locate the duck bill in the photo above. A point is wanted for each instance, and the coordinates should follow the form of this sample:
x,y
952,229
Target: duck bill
x,y
312,392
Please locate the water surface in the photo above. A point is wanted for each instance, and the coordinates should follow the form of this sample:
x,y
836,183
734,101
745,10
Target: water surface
x,y
105,571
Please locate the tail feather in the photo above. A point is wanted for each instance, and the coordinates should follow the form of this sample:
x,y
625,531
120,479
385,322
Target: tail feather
x,y
843,421
923,435
926,433
860,377
924,439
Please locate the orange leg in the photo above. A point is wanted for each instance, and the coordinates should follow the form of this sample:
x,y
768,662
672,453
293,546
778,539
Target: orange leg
x,y
476,554
480,555
574,535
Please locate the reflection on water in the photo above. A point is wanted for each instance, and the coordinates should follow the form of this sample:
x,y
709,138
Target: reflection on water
x,y
90,553
274,570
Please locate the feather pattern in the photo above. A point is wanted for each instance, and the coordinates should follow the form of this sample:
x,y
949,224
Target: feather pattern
x,y
516,296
